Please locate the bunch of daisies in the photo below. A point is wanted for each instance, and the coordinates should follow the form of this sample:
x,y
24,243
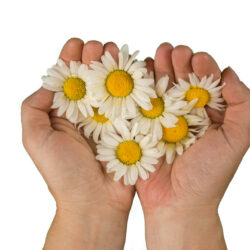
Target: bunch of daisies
x,y
132,119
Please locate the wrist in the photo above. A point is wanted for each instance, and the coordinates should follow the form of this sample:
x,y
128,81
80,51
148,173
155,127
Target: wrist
x,y
184,229
95,227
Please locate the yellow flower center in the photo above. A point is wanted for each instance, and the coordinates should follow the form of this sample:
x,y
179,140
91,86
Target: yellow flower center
x,y
119,83
74,88
200,93
158,108
99,118
128,152
176,133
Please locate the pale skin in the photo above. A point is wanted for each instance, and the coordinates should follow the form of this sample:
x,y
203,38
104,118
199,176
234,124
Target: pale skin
x,y
180,202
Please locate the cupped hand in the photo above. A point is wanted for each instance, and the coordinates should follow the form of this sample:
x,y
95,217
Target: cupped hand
x,y
201,175
63,157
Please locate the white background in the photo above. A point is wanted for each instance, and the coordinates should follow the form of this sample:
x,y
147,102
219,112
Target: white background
x,y
32,34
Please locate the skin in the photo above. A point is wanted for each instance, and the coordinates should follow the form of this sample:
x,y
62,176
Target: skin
x,y
87,199
180,202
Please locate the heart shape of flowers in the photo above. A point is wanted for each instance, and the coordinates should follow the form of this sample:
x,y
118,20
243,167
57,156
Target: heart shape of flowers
x,y
132,119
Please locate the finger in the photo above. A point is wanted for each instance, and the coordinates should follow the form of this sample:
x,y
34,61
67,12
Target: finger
x,y
72,50
235,92
163,62
204,65
181,59
92,51
237,120
149,64
112,49
35,119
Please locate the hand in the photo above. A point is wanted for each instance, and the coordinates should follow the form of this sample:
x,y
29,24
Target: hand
x,y
180,202
66,161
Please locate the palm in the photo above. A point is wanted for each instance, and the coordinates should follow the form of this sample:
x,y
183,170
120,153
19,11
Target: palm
x,y
71,171
196,174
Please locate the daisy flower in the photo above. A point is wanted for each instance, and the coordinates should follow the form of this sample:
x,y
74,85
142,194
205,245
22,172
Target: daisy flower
x,y
128,154
120,87
205,90
98,125
71,87
164,111
177,139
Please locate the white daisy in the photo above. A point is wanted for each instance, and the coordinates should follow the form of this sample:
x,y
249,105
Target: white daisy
x,y
121,86
207,92
164,111
71,87
128,154
177,139
98,125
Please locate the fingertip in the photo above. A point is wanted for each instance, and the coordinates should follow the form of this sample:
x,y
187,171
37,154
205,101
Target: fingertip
x,y
181,58
165,47
163,61
234,91
204,65
41,99
180,51
230,73
92,51
72,50
149,64
112,48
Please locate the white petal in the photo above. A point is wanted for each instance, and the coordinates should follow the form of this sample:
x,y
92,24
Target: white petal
x,y
145,125
149,160
194,79
122,129
130,104
74,116
168,120
179,148
184,85
131,59
74,68
161,147
70,109
119,173
108,140
112,163
142,173
170,153
134,130
162,85
105,151
151,153
97,132
63,108
88,129
144,141
132,175
81,106
148,167
105,157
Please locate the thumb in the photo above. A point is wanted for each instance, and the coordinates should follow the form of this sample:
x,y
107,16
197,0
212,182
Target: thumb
x,y
235,92
237,118
35,118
